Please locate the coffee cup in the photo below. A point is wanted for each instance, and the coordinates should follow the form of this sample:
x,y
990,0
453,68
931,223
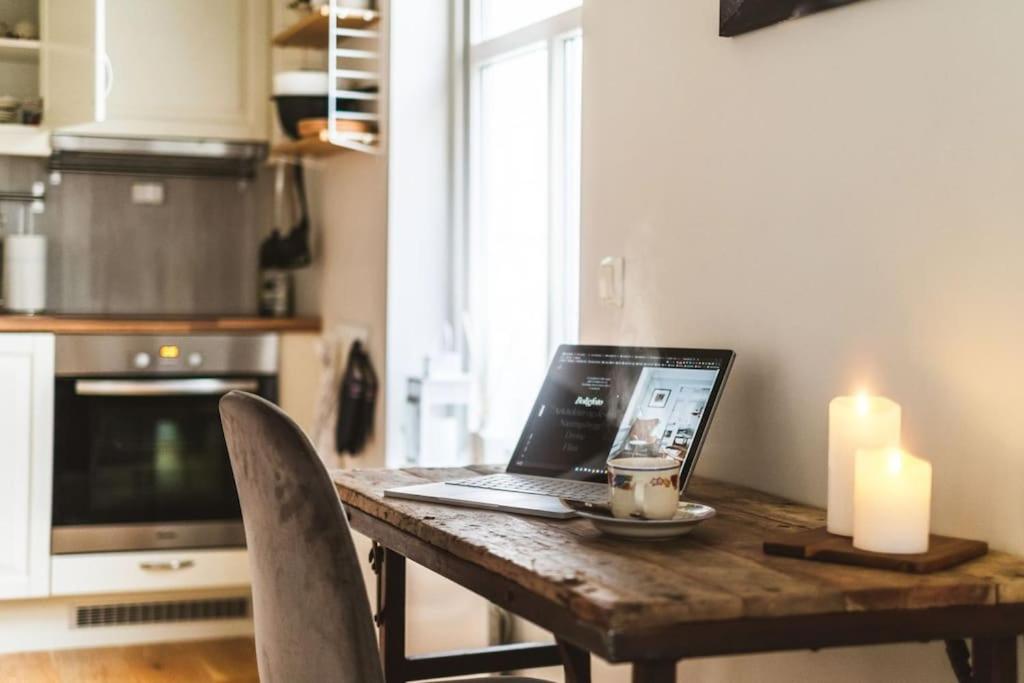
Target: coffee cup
x,y
646,487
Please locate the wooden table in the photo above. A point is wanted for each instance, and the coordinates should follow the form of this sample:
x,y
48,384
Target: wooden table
x,y
712,593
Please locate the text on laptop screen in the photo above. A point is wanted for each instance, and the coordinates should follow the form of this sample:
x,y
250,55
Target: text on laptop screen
x,y
599,403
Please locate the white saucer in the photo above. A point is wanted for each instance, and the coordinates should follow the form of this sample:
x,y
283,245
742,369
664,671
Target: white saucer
x,y
687,517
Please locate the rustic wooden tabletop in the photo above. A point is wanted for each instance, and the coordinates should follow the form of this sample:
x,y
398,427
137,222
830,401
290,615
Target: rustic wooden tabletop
x,y
712,592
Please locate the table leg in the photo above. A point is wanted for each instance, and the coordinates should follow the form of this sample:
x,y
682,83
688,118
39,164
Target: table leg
x,y
654,672
392,617
575,661
994,660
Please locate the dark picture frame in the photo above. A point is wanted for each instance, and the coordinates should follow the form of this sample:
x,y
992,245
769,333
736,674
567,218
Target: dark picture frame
x,y
659,398
741,16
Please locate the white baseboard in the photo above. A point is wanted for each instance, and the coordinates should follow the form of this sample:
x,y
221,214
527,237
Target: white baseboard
x,y
47,624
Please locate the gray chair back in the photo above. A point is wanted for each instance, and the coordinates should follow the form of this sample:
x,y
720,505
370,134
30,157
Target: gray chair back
x,y
311,613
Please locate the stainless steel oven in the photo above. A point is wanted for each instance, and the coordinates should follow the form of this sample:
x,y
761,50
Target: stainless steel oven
x,y
140,460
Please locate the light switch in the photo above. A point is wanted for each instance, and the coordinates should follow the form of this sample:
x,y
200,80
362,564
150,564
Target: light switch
x,y
610,282
147,193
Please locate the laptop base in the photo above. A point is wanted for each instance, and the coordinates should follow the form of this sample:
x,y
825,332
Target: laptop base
x,y
486,499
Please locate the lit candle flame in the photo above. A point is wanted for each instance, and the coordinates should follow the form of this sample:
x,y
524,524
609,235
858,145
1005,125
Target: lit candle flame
x,y
863,403
895,461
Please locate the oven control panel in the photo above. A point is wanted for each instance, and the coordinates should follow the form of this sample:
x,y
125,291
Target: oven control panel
x,y
167,356
83,355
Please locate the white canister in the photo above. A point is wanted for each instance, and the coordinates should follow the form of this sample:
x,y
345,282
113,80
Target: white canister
x,y
25,273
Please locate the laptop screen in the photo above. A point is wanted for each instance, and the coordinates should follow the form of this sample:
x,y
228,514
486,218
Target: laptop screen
x,y
603,402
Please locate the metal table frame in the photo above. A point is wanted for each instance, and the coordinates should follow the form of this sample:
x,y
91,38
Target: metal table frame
x,y
993,629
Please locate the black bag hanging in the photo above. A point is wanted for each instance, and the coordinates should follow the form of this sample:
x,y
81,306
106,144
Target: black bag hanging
x,y
351,394
364,422
372,389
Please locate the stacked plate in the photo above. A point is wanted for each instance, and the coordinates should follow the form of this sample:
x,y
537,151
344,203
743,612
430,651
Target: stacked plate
x,y
9,109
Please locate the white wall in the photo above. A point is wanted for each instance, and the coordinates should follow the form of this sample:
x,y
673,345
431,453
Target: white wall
x,y
348,198
419,178
383,222
838,199
351,189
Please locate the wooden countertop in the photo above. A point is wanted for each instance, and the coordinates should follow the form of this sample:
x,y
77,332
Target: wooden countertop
x,y
76,324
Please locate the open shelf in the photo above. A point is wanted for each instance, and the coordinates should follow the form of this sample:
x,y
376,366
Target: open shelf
x,y
314,31
18,139
19,49
313,147
354,73
321,145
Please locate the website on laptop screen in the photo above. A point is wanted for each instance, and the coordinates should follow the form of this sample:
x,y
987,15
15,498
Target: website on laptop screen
x,y
599,403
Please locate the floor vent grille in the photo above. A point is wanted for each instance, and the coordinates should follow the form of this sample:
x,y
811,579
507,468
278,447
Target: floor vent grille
x,y
123,613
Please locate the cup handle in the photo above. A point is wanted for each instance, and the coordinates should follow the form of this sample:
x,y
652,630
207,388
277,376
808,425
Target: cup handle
x,y
638,497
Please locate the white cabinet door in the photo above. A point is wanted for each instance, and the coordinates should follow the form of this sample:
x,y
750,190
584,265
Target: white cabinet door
x,y
74,70
193,68
26,463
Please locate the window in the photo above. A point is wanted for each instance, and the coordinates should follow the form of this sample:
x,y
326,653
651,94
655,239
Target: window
x,y
497,17
522,236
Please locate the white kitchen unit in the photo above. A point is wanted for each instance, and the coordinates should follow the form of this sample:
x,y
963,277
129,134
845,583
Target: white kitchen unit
x,y
90,599
20,77
148,68
23,141
124,619
26,435
150,571
191,68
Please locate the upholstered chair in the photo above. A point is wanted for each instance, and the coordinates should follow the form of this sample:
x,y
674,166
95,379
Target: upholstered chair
x,y
312,616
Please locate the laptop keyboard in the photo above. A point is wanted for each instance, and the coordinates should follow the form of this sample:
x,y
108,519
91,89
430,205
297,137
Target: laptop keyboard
x,y
586,491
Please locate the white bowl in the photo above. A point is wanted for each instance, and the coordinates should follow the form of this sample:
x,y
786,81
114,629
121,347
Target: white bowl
x,y
301,83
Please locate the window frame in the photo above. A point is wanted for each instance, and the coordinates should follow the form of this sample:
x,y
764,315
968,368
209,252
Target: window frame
x,y
471,56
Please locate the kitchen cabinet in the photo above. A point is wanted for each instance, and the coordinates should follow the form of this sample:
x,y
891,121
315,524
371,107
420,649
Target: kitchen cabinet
x,y
58,66
19,66
26,463
191,68
150,68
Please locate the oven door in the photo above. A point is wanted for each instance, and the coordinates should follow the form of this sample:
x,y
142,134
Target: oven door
x,y
141,463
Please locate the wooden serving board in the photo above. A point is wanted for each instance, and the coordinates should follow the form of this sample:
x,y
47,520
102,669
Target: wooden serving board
x,y
312,127
817,544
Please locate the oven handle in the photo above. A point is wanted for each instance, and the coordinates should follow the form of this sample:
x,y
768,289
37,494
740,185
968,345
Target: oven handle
x,y
162,387
169,566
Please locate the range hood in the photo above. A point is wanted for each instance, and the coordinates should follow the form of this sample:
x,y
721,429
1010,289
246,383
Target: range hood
x,y
155,156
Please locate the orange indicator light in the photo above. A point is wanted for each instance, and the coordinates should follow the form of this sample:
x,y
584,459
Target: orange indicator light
x,y
169,351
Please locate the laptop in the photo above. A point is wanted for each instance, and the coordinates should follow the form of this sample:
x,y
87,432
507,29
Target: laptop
x,y
597,403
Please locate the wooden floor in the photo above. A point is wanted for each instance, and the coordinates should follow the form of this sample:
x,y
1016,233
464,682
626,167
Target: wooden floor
x,y
209,661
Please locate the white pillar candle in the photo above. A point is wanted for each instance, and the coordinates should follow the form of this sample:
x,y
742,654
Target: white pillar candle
x,y
892,501
854,422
